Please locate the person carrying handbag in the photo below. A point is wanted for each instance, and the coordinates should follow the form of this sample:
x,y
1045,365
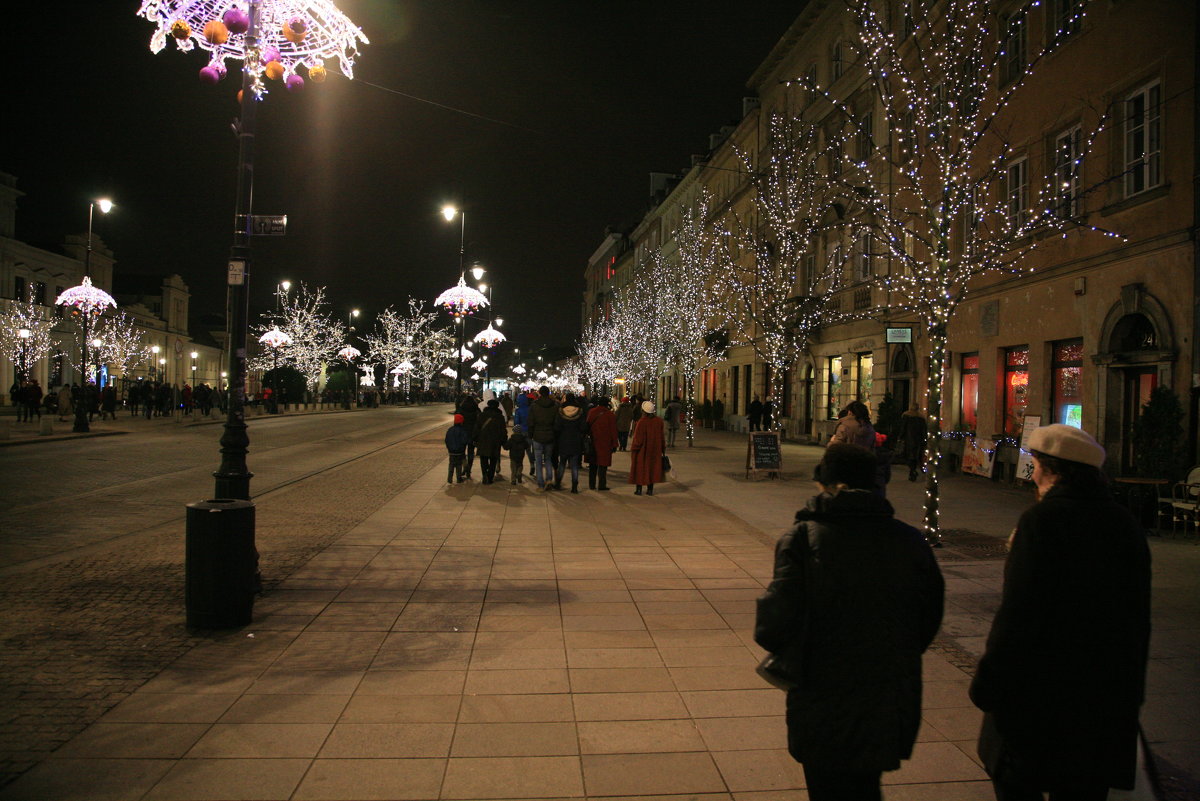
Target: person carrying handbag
x,y
855,600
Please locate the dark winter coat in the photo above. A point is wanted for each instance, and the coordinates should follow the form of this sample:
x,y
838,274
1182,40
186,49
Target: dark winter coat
x,y
625,414
755,410
872,594
490,430
913,432
469,409
602,424
521,412
1063,674
506,403
569,428
646,451
542,414
516,446
457,439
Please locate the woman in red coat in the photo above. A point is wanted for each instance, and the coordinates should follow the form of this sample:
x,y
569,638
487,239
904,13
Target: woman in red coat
x,y
602,424
646,450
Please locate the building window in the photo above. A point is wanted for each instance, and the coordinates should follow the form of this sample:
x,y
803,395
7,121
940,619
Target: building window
x,y
833,385
864,266
37,292
969,392
734,389
865,137
1143,140
1067,154
866,378
747,386
1065,18
19,289
837,64
907,22
58,310
1016,389
906,138
1016,192
1013,56
57,363
1066,385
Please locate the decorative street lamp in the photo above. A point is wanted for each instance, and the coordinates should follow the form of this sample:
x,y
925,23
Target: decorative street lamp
x,y
295,35
461,300
24,334
154,361
275,339
405,369
350,353
105,207
85,301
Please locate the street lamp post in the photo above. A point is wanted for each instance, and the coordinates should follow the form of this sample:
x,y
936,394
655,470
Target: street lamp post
x,y
275,339
461,300
24,334
155,349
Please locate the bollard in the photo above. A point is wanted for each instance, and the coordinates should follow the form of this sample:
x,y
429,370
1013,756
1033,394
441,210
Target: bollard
x,y
47,425
220,564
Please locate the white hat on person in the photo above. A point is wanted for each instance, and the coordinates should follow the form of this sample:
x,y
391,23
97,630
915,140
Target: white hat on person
x,y
1067,442
648,407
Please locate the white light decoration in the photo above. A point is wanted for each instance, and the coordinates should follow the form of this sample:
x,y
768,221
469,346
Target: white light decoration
x,y
449,372
461,300
86,298
465,354
519,370
293,35
403,367
275,338
479,366
349,353
543,375
368,375
490,337
474,376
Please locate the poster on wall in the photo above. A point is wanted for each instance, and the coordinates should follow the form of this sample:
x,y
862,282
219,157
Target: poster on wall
x,y
1025,459
978,455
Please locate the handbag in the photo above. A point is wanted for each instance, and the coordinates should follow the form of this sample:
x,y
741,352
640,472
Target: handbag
x,y
776,671
666,464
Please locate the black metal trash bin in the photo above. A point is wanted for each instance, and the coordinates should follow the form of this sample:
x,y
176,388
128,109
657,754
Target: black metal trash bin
x,y
221,564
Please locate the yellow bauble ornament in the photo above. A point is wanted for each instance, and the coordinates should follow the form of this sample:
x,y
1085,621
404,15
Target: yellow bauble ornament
x,y
180,29
317,74
274,70
216,32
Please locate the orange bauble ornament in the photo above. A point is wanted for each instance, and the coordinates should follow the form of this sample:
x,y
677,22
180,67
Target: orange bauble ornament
x,y
317,74
295,29
216,32
180,29
274,70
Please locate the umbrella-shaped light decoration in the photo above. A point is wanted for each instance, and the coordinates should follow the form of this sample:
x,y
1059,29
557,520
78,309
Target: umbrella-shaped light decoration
x,y
489,337
449,372
86,299
465,354
543,375
479,366
349,353
474,376
403,367
275,338
292,36
461,300
519,370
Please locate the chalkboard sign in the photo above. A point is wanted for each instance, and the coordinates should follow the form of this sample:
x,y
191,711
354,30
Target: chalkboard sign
x,y
763,453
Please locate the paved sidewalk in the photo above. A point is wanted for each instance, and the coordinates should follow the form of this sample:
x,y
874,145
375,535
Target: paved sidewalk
x,y
491,642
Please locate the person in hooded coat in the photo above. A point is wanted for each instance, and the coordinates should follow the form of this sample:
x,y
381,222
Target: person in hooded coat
x,y
1063,675
625,414
602,425
489,395
569,429
469,409
856,598
542,415
490,431
646,450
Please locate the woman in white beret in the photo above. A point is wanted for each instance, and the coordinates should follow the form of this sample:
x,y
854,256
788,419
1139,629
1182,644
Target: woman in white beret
x,y
1063,675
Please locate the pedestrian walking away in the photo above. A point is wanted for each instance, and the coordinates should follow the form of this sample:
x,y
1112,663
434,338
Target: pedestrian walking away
x,y
570,427
542,414
457,440
646,450
1063,675
914,431
468,407
855,599
624,417
854,426
674,415
488,438
754,414
603,442
517,445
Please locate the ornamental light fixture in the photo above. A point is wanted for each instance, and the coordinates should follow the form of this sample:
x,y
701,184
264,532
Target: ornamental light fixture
x,y
349,353
489,337
461,300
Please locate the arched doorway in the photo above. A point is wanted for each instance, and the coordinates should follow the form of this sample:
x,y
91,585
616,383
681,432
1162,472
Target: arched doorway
x,y
901,375
1137,354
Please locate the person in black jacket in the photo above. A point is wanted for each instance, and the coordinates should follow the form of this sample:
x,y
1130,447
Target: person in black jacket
x,y
490,429
468,407
516,446
457,440
569,428
754,413
855,600
1063,674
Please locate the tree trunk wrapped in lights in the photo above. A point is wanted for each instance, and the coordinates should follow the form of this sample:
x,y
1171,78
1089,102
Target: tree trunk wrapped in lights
x,y
941,198
122,343
24,351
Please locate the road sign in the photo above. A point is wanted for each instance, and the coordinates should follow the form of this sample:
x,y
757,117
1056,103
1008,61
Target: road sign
x,y
237,272
268,224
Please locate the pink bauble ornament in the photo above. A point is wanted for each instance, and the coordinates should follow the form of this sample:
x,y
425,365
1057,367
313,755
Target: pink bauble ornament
x,y
270,54
210,75
294,83
236,20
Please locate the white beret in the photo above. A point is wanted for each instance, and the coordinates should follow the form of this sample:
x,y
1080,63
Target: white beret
x,y
648,407
1067,442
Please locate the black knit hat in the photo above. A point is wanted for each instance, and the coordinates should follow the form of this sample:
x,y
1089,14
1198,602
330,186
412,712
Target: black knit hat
x,y
846,464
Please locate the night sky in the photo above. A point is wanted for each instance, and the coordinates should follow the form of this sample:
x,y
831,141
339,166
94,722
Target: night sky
x,y
584,100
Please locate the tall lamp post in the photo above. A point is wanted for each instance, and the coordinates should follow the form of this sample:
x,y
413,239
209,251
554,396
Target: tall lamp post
x,y
85,301
24,334
350,353
461,300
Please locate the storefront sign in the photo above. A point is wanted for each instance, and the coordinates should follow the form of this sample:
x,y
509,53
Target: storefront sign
x,y
899,336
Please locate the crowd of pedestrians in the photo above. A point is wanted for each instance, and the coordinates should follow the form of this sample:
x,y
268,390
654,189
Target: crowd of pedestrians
x,y
560,435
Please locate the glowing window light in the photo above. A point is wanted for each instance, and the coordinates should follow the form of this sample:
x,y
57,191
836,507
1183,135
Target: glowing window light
x,y
292,33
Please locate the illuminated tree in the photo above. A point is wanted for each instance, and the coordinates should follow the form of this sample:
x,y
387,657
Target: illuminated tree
x,y
947,200
31,317
122,343
316,337
598,364
776,288
636,344
398,335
